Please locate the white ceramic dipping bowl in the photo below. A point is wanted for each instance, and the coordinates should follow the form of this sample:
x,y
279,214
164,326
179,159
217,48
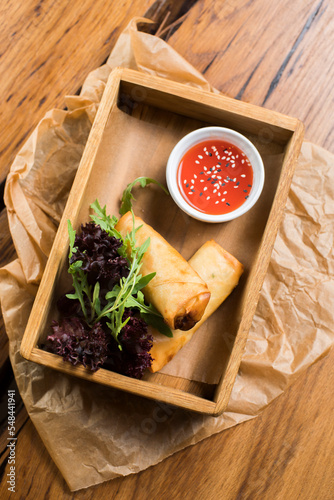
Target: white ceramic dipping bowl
x,y
202,135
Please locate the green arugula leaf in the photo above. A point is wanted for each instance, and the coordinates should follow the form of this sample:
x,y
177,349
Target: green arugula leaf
x,y
158,323
105,221
142,249
75,266
72,296
126,202
113,293
142,282
149,314
126,294
78,278
71,234
96,299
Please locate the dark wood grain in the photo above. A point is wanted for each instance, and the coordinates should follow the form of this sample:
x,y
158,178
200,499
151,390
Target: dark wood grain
x,y
285,453
276,54
254,52
39,67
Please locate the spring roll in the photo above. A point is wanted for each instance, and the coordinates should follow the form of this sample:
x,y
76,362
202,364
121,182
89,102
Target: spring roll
x,y
176,291
221,271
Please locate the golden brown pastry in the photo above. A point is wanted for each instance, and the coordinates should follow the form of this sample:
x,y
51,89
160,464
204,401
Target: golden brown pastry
x,y
221,271
176,291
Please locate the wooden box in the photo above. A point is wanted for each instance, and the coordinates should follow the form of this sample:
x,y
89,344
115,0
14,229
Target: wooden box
x,y
139,120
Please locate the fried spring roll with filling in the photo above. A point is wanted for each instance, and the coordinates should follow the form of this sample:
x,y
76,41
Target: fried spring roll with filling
x,y
221,271
176,291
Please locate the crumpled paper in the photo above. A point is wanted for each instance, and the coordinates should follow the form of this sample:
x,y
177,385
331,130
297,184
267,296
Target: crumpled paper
x,y
94,433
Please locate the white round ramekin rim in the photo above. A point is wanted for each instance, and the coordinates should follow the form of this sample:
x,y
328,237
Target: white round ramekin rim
x,y
201,135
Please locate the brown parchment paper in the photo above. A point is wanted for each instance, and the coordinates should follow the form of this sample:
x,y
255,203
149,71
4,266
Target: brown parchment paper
x,y
94,433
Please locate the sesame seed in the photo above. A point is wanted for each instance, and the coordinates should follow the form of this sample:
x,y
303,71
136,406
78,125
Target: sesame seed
x,y
235,187
200,156
201,194
205,148
201,173
242,161
225,192
190,192
205,168
192,181
219,194
245,191
184,182
205,188
219,177
187,185
249,185
208,197
228,204
202,180
216,202
195,176
223,199
242,175
196,161
215,190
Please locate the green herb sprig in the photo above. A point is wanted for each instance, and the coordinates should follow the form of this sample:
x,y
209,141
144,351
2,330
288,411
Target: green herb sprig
x,y
127,294
126,201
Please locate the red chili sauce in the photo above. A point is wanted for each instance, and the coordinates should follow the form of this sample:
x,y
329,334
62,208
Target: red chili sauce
x,y
215,177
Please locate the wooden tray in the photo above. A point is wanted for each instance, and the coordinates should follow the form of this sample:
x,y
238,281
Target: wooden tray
x,y
139,120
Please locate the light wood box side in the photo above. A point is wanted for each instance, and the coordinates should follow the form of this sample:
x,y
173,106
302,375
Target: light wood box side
x,y
194,103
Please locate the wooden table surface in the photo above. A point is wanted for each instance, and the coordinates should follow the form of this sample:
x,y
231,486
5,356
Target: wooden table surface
x,y
277,54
